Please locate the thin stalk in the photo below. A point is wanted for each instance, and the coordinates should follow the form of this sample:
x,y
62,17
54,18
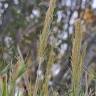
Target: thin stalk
x,y
48,72
77,59
43,40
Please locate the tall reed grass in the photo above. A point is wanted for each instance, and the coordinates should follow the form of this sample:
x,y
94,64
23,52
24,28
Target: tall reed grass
x,y
44,39
77,58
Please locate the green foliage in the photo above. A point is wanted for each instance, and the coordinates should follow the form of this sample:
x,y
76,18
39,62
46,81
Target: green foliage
x,y
5,87
2,65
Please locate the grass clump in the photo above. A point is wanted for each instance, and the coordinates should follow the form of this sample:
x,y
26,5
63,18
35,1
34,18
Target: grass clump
x,y
41,87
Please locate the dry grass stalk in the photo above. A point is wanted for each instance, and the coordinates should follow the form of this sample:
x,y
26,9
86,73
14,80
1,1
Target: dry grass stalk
x,y
48,73
43,39
46,30
77,58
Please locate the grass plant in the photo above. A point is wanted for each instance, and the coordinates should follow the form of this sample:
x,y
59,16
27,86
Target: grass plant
x,y
41,88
